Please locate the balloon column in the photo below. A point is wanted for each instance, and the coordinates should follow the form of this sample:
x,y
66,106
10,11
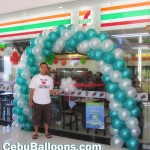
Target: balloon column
x,y
117,77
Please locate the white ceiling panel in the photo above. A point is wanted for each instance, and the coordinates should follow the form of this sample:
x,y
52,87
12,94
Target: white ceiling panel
x,y
8,6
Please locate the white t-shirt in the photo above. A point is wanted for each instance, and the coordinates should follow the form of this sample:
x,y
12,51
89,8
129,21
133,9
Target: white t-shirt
x,y
42,86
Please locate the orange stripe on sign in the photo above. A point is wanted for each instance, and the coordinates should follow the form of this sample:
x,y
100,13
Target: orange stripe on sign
x,y
35,19
82,13
125,6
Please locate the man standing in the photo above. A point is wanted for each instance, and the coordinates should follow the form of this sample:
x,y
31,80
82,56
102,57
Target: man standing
x,y
41,86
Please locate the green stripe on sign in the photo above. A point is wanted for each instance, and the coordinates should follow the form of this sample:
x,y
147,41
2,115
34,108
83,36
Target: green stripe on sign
x,y
94,104
135,13
34,26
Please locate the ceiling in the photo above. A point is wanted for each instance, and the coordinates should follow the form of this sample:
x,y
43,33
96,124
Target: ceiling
x,y
8,6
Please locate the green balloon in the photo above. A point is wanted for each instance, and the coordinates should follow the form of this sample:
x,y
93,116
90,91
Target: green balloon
x,y
124,133
108,57
16,110
28,126
120,95
129,103
135,112
133,143
111,87
117,123
3,45
112,114
105,79
83,60
22,118
119,64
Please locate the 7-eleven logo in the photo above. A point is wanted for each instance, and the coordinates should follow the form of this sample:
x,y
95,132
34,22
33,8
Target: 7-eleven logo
x,y
85,17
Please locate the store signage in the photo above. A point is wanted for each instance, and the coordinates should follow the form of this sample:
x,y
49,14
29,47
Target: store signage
x,y
95,115
85,17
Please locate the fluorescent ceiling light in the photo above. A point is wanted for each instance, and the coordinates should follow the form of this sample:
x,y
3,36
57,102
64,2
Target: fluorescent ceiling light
x,y
60,7
131,35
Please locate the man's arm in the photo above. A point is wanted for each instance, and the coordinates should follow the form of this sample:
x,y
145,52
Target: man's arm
x,y
31,97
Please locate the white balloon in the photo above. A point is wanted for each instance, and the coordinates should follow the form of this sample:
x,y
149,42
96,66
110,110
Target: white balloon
x,y
124,114
113,131
107,45
110,96
83,47
40,59
115,76
118,53
115,105
85,28
135,132
8,51
116,142
131,92
95,43
60,43
26,74
106,69
75,28
125,84
131,123
56,49
66,34
45,33
39,41
37,50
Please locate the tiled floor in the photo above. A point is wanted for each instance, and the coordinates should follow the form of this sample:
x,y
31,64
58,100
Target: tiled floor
x,y
13,136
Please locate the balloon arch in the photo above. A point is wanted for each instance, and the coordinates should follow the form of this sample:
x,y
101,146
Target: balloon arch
x,y
116,76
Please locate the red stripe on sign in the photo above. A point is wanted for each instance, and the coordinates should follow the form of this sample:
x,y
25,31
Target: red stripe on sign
x,y
124,22
18,34
84,84
86,16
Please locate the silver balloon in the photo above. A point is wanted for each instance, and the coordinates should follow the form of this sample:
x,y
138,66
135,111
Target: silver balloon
x,y
23,56
26,74
27,111
85,28
110,96
45,33
115,105
39,59
83,47
37,50
125,84
14,117
131,123
8,51
124,114
16,87
118,53
75,28
21,103
66,34
56,49
60,43
106,69
100,63
113,131
116,142
22,64
131,92
115,76
95,43
39,41
135,132
107,45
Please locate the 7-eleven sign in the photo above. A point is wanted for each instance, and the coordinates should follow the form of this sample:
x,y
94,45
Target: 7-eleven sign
x,y
85,17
